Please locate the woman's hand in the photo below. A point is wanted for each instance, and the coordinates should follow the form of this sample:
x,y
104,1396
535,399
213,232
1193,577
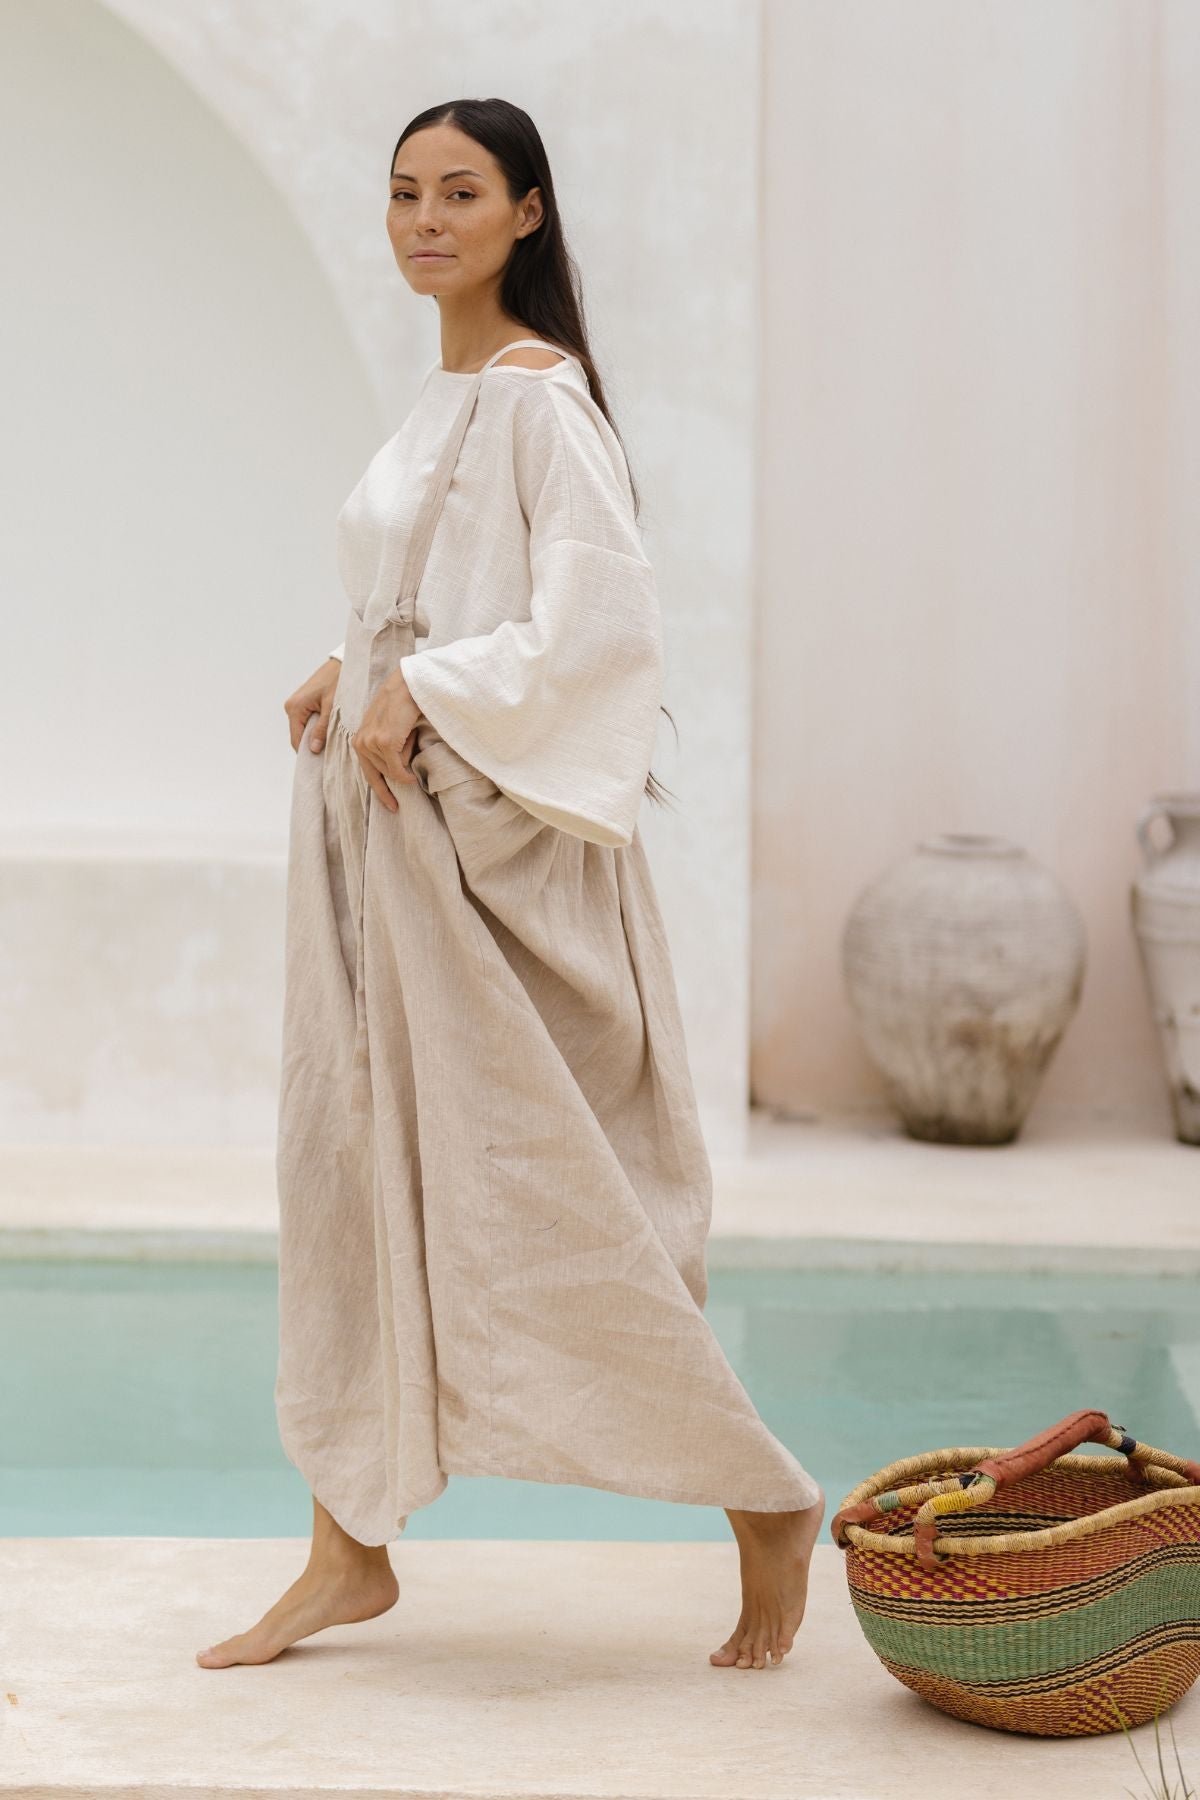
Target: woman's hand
x,y
384,742
315,696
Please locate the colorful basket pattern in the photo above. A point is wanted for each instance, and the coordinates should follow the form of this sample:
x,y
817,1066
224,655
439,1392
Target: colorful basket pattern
x,y
1028,1589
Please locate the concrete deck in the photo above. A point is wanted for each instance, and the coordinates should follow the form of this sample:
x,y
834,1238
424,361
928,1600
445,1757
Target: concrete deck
x,y
1071,1193
517,1671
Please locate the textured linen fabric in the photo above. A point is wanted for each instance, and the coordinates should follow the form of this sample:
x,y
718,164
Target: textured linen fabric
x,y
494,1192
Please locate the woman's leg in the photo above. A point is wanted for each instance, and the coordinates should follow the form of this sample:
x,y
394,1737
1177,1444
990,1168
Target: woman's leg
x,y
775,1551
342,1583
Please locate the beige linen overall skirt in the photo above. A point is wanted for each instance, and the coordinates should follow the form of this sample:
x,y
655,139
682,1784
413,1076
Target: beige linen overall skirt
x,y
494,1193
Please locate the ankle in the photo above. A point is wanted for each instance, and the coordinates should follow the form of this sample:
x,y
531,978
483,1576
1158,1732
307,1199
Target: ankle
x,y
772,1524
337,1562
335,1551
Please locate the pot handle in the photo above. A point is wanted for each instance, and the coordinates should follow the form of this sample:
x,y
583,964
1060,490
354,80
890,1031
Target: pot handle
x,y
980,1482
1155,809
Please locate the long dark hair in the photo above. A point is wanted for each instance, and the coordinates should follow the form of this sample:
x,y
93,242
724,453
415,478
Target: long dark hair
x,y
540,285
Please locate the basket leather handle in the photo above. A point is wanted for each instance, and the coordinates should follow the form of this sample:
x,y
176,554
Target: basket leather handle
x,y
979,1483
976,1485
1002,1465
1085,1427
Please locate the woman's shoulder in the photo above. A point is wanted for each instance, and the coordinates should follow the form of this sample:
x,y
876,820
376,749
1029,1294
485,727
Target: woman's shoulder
x,y
546,405
558,431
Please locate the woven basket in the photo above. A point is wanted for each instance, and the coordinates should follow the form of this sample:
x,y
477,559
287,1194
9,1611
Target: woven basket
x,y
1029,1589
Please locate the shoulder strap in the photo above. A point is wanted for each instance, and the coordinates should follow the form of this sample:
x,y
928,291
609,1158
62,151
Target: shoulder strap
x,y
519,344
421,537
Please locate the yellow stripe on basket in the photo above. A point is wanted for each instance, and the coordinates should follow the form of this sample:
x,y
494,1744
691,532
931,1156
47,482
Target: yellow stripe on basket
x,y
960,1499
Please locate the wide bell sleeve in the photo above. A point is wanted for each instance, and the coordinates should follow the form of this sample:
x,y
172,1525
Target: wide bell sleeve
x,y
561,709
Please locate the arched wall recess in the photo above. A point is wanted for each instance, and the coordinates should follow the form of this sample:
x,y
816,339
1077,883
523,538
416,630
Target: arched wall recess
x,y
186,413
312,95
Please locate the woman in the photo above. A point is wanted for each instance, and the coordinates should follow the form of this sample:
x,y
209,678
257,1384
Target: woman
x,y
494,1194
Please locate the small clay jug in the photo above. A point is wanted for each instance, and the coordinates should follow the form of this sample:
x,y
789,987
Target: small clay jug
x,y
1165,906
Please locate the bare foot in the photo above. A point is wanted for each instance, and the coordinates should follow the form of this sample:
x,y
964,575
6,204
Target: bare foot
x,y
325,1594
775,1550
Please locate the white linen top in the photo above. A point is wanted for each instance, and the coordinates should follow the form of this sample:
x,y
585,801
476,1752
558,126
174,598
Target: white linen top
x,y
538,639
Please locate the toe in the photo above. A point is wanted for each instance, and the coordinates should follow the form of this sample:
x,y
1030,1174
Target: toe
x,y
745,1655
220,1656
725,1655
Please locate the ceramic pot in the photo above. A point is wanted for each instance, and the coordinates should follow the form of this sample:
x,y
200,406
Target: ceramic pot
x,y
963,964
1165,904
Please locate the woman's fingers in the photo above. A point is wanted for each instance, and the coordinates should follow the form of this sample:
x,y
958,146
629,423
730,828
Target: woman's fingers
x,y
384,756
313,696
382,761
317,739
298,717
370,768
385,732
386,738
382,790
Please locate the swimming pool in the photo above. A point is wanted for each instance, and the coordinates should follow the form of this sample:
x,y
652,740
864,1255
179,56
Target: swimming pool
x,y
138,1396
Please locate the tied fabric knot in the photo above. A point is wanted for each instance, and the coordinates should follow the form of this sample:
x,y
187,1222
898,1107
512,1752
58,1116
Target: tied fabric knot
x,y
400,612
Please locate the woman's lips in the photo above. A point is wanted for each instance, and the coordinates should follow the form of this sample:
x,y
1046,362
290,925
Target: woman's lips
x,y
431,256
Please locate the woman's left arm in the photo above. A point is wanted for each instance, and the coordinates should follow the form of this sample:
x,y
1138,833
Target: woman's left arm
x,y
561,709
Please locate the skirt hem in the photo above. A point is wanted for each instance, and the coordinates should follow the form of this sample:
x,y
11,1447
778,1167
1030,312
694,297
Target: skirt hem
x,y
635,1491
650,1491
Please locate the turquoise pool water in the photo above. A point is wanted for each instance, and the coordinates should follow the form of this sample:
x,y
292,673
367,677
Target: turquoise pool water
x,y
137,1396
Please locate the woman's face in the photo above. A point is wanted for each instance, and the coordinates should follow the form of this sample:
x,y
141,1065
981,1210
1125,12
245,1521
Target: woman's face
x,y
451,223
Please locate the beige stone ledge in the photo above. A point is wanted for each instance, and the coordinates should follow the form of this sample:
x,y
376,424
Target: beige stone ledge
x,y
517,1671
1072,1193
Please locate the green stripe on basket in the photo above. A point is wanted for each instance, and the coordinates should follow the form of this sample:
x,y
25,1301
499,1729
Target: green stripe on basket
x,y
1038,1646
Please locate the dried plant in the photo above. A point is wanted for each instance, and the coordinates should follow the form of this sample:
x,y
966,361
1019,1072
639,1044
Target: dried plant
x,y
1163,1786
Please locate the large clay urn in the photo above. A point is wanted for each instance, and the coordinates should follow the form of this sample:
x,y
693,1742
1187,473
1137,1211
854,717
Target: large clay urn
x,y
963,964
1165,902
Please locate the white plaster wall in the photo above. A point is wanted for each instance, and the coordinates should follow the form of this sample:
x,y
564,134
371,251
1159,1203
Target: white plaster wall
x,y
184,414
214,338
978,601
965,270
